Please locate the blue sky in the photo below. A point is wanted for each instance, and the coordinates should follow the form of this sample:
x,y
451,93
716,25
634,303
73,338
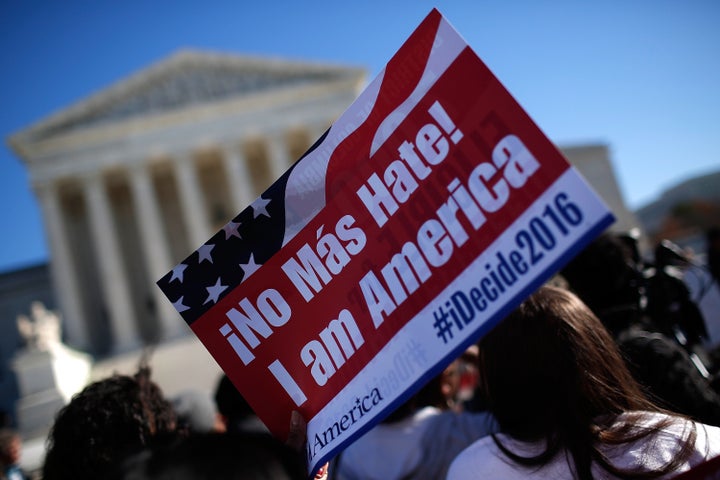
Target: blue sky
x,y
642,77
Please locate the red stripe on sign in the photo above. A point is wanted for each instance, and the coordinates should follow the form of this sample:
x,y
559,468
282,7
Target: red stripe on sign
x,y
402,75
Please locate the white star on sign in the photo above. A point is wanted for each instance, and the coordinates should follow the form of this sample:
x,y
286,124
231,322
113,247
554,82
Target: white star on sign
x,y
177,272
215,291
231,230
249,268
204,253
259,207
178,304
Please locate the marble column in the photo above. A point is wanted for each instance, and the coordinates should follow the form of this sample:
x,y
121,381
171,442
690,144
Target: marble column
x,y
62,270
154,246
238,178
116,292
279,155
192,201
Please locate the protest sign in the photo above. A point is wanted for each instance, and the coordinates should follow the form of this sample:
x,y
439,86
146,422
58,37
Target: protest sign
x,y
431,208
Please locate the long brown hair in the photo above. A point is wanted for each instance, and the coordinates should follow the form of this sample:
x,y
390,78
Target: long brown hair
x,y
551,372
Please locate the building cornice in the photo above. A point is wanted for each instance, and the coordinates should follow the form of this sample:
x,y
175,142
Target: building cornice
x,y
154,98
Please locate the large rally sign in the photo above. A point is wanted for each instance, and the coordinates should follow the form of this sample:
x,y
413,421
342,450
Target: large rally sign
x,y
425,213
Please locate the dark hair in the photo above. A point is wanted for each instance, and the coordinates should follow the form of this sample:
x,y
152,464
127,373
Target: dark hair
x,y
229,400
551,372
607,279
217,456
235,410
103,423
5,419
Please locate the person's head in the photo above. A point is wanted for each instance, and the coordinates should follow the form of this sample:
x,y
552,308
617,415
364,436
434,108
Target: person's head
x,y
214,456
606,278
107,420
551,372
10,447
551,365
234,410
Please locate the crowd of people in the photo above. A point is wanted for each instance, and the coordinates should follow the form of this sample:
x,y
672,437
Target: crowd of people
x,y
601,374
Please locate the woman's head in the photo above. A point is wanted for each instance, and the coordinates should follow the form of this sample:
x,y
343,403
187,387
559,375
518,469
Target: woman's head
x,y
107,420
551,367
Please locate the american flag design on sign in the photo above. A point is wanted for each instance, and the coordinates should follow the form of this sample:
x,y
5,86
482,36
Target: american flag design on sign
x,y
425,213
229,257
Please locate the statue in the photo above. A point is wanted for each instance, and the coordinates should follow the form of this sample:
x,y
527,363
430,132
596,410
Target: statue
x,y
48,372
42,332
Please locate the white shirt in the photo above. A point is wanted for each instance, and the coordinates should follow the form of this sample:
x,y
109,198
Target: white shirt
x,y
483,459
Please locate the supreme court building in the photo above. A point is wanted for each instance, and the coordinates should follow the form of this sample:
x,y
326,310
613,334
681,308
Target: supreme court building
x,y
133,179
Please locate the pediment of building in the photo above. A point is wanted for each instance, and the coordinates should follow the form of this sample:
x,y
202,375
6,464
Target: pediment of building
x,y
184,80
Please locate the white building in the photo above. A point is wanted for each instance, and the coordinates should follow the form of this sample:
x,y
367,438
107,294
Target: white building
x,y
593,162
109,170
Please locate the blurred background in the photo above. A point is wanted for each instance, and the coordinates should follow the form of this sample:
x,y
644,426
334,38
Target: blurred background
x,y
110,110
